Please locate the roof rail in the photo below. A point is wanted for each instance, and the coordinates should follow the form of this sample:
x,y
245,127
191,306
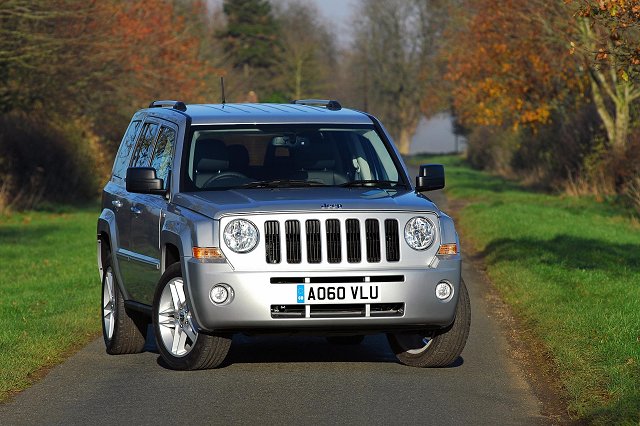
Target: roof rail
x,y
328,104
179,105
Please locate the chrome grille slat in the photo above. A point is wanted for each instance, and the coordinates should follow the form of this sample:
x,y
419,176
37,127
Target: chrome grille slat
x,y
372,235
392,240
314,246
272,241
334,252
292,235
353,240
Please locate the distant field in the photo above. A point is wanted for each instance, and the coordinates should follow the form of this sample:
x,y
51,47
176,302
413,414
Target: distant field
x,y
570,268
49,291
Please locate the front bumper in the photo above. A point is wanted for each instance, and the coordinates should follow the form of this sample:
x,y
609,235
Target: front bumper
x,y
255,294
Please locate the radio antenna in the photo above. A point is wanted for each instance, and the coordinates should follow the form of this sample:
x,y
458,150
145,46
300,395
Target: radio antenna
x,y
224,101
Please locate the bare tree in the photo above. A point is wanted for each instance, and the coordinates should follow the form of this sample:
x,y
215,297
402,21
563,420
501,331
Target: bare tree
x,y
612,92
307,55
388,57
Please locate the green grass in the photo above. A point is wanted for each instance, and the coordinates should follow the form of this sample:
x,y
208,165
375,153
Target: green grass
x,y
49,291
570,268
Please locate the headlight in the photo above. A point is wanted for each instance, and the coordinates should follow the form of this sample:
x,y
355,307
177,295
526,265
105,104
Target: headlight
x,y
419,233
241,235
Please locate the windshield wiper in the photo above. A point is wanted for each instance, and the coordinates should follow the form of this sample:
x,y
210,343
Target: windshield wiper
x,y
281,183
374,183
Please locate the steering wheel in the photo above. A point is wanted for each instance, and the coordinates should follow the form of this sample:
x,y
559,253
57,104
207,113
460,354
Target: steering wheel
x,y
224,175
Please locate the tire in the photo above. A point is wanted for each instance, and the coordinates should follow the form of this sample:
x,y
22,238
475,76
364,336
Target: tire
x,y
435,349
123,332
345,340
180,344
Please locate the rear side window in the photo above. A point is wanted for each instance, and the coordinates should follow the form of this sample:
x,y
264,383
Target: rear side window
x,y
163,153
126,147
144,148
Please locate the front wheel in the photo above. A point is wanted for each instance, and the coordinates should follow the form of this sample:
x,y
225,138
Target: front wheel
x,y
435,348
179,342
123,331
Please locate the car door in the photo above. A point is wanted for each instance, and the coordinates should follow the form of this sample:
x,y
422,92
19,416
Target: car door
x,y
134,266
148,217
116,198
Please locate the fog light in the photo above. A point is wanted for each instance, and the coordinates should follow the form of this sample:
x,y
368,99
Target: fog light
x,y
219,294
443,290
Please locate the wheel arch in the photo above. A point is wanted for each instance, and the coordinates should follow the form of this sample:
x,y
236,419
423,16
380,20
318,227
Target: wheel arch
x,y
106,239
170,255
107,244
174,247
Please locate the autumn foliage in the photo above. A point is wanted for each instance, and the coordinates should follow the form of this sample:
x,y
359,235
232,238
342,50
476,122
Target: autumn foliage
x,y
162,55
503,68
619,38
71,74
548,91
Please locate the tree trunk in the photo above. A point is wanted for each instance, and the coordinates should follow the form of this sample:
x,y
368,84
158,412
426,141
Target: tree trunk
x,y
404,141
618,92
622,125
298,78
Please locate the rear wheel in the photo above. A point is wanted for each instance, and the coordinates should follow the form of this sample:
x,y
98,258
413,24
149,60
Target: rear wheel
x,y
123,332
180,343
435,348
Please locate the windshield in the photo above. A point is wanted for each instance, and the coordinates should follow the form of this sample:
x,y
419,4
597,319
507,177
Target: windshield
x,y
291,156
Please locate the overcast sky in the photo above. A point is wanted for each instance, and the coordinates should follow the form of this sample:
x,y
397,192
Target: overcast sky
x,y
338,12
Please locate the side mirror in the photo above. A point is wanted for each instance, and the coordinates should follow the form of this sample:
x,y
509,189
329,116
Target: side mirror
x,y
431,177
143,180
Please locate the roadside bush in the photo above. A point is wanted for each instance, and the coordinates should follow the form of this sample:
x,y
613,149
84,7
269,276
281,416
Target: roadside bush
x,y
566,154
631,172
48,159
492,148
553,154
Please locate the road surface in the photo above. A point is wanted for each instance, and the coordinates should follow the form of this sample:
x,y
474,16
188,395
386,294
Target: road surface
x,y
290,380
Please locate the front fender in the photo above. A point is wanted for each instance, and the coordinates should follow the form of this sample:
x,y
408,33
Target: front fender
x,y
107,226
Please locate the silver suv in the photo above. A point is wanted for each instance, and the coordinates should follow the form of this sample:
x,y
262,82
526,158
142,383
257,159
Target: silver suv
x,y
274,218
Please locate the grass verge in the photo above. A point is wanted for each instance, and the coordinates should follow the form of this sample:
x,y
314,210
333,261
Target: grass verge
x,y
570,269
48,291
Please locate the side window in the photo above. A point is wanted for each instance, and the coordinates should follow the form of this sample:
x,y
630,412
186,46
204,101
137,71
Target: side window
x,y
126,147
163,153
144,148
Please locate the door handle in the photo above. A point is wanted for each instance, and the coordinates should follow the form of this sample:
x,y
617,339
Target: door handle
x,y
135,210
116,203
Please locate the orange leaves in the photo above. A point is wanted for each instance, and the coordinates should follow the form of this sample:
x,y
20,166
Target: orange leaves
x,y
509,66
152,44
614,30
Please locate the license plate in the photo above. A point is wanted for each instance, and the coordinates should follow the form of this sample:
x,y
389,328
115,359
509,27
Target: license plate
x,y
341,293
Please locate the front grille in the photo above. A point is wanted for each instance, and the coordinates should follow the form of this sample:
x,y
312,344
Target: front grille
x,y
327,240
337,310
339,279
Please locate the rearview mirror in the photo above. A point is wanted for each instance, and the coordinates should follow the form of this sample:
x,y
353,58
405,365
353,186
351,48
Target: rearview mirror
x,y
430,178
143,180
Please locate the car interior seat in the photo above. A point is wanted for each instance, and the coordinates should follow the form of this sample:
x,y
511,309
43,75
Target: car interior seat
x,y
211,158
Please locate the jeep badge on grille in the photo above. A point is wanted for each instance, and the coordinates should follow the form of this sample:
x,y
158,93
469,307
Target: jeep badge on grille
x,y
331,206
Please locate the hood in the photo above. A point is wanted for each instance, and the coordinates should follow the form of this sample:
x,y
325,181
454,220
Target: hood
x,y
216,204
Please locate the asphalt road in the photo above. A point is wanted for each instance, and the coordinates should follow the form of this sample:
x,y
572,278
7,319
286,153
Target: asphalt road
x,y
289,380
